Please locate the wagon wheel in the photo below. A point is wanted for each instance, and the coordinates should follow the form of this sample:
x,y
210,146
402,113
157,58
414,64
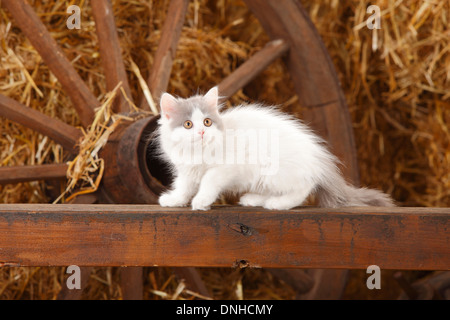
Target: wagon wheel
x,y
127,167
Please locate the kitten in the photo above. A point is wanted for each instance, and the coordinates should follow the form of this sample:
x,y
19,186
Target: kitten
x,y
270,158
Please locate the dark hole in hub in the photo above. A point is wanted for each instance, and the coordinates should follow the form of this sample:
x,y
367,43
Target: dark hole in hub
x,y
151,165
157,167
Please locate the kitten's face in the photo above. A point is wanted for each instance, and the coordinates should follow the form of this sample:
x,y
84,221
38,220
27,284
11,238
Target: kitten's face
x,y
195,120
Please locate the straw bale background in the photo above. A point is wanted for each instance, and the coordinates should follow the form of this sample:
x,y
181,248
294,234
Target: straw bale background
x,y
396,81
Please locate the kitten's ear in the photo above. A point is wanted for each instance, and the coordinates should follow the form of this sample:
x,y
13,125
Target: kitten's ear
x,y
212,98
168,105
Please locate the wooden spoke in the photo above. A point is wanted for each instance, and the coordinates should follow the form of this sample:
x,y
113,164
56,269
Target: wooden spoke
x,y
327,284
62,133
192,279
111,52
170,34
30,24
114,69
131,283
71,294
30,173
252,67
298,279
148,235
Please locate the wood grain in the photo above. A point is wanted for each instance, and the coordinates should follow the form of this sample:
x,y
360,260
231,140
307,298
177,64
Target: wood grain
x,y
15,174
252,67
226,236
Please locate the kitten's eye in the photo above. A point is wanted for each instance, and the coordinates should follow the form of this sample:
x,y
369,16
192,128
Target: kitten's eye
x,y
207,122
188,124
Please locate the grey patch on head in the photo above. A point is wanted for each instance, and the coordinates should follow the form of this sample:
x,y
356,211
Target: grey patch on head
x,y
185,109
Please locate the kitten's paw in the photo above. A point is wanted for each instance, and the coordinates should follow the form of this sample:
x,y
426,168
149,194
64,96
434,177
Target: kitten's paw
x,y
201,203
171,200
252,200
276,204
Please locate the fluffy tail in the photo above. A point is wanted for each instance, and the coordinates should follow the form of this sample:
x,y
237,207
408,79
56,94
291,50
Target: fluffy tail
x,y
336,192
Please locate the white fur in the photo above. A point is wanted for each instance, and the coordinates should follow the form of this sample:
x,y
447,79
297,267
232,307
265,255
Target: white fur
x,y
304,164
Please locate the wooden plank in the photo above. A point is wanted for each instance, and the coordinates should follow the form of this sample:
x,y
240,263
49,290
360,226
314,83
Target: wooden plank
x,y
57,130
30,24
226,236
110,52
158,79
15,174
252,67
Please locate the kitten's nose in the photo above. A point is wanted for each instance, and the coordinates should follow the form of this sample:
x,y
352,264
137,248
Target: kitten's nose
x,y
201,132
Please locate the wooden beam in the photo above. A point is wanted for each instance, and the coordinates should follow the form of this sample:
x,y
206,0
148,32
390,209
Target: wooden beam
x,y
30,24
158,79
226,236
15,174
252,67
110,52
57,130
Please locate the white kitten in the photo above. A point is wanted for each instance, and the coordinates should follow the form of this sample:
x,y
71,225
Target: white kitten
x,y
270,158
